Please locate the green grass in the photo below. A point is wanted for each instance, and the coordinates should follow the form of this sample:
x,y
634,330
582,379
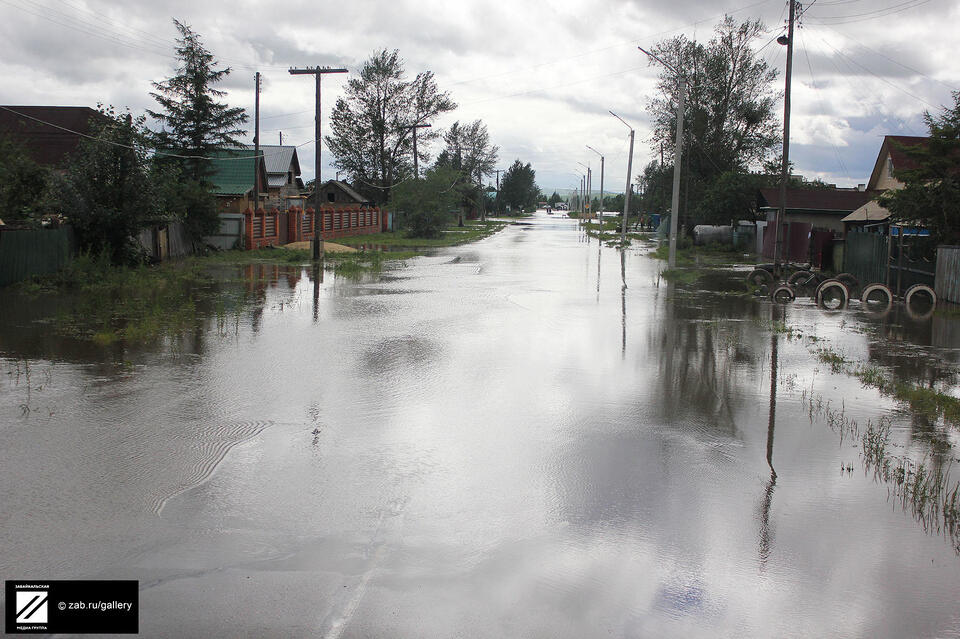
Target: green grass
x,y
834,359
681,275
471,231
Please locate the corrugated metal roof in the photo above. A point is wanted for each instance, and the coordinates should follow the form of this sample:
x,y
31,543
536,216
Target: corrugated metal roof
x,y
232,172
278,159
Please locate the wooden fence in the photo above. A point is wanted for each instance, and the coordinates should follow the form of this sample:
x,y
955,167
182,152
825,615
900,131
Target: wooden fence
x,y
947,283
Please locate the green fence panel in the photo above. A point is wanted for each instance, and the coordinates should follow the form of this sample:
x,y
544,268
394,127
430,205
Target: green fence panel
x,y
27,253
865,257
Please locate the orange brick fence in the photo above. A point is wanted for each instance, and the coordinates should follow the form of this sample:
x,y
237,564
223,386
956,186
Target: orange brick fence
x,y
272,228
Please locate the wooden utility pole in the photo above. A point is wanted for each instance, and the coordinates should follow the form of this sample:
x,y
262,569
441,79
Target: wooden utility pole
x,y
318,72
785,168
256,143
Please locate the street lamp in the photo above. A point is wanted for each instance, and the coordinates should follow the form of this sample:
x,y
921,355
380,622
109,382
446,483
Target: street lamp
x,y
626,195
589,186
675,200
600,210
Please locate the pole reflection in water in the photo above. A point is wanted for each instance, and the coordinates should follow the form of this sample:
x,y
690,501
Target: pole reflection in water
x,y
317,280
623,302
765,532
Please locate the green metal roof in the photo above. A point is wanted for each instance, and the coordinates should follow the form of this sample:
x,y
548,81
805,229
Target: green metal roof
x,y
233,171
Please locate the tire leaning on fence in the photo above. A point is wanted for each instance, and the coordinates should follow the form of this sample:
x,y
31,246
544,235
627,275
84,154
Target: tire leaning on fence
x,y
913,292
869,298
783,294
759,277
850,281
832,285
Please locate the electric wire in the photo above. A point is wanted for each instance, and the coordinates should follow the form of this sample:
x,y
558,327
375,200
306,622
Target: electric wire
x,y
819,95
154,150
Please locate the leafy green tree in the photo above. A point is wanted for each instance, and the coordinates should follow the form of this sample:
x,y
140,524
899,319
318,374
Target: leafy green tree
x,y
518,186
372,138
22,183
468,152
195,124
931,192
730,119
424,205
107,191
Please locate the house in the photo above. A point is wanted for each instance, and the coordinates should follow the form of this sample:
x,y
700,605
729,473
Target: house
x,y
334,192
812,219
822,209
284,185
232,178
890,159
49,134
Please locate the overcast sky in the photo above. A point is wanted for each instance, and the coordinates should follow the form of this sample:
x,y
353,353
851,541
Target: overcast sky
x,y
541,75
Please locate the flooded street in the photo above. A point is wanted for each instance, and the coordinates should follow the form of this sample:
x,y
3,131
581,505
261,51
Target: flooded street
x,y
529,436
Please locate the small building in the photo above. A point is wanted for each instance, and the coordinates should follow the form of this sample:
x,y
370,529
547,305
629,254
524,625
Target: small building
x,y
232,178
822,209
49,134
335,192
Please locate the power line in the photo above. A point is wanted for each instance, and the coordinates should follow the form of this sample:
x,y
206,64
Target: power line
x,y
153,149
871,15
816,89
882,79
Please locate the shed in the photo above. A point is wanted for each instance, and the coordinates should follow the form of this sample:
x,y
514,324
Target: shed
x,y
336,192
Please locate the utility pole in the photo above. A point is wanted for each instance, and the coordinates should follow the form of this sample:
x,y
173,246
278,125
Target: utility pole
x,y
497,206
677,158
317,72
256,143
628,190
600,210
785,168
588,191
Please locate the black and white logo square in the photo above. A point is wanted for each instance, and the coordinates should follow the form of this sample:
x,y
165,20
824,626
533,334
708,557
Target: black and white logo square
x,y
32,606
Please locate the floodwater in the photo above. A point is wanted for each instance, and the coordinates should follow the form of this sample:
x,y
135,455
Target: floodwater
x,y
530,436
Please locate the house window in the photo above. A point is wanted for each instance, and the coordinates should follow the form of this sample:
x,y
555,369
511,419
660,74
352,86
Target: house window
x,y
889,166
289,177
331,197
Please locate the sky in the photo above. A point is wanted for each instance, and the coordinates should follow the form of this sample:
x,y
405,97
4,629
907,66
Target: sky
x,y
542,76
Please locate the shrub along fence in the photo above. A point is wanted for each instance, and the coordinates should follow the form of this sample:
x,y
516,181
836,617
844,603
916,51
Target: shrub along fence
x,y
24,253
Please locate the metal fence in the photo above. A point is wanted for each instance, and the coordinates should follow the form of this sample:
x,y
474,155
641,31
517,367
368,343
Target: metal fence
x,y
27,253
865,257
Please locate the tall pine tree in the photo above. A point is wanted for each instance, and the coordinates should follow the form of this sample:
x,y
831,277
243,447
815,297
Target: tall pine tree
x,y
195,124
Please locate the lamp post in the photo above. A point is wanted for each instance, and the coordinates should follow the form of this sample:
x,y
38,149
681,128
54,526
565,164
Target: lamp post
x,y
678,150
588,187
626,194
600,210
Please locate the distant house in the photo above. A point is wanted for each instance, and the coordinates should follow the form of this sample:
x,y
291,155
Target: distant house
x,y
282,176
49,134
890,159
822,209
232,178
334,192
